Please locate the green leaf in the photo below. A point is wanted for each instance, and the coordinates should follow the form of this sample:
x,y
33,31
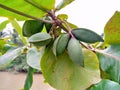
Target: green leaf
x,y
10,56
17,28
106,85
47,4
62,16
29,79
110,62
5,48
72,26
2,43
3,24
112,29
34,57
62,74
23,6
63,3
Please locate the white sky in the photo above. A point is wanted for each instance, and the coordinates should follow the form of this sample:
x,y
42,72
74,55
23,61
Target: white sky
x,y
91,14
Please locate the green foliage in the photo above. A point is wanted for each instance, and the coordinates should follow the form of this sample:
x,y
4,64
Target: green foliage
x,y
106,85
3,24
5,48
17,28
62,74
29,79
2,43
26,8
9,56
63,3
110,62
70,58
34,56
62,16
18,65
112,29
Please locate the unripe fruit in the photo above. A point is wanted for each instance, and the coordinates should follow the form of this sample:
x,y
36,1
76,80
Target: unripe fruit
x,y
60,44
75,52
40,39
86,35
31,27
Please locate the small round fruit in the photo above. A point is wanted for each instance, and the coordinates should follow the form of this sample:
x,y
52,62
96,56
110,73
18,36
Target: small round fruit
x,y
31,27
40,39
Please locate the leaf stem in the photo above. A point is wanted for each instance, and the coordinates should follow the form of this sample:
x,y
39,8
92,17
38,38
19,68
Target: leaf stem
x,y
63,28
57,21
100,51
69,29
23,14
36,5
84,45
108,54
88,47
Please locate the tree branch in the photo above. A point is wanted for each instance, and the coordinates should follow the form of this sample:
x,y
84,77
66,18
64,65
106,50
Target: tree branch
x,y
69,29
23,14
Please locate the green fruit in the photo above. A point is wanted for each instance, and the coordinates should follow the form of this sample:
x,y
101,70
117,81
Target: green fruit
x,y
75,52
40,39
60,44
86,35
31,27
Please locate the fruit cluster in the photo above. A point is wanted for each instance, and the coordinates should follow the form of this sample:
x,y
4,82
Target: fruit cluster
x,y
69,42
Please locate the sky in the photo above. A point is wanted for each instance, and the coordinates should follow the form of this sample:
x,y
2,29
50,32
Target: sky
x,y
91,14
